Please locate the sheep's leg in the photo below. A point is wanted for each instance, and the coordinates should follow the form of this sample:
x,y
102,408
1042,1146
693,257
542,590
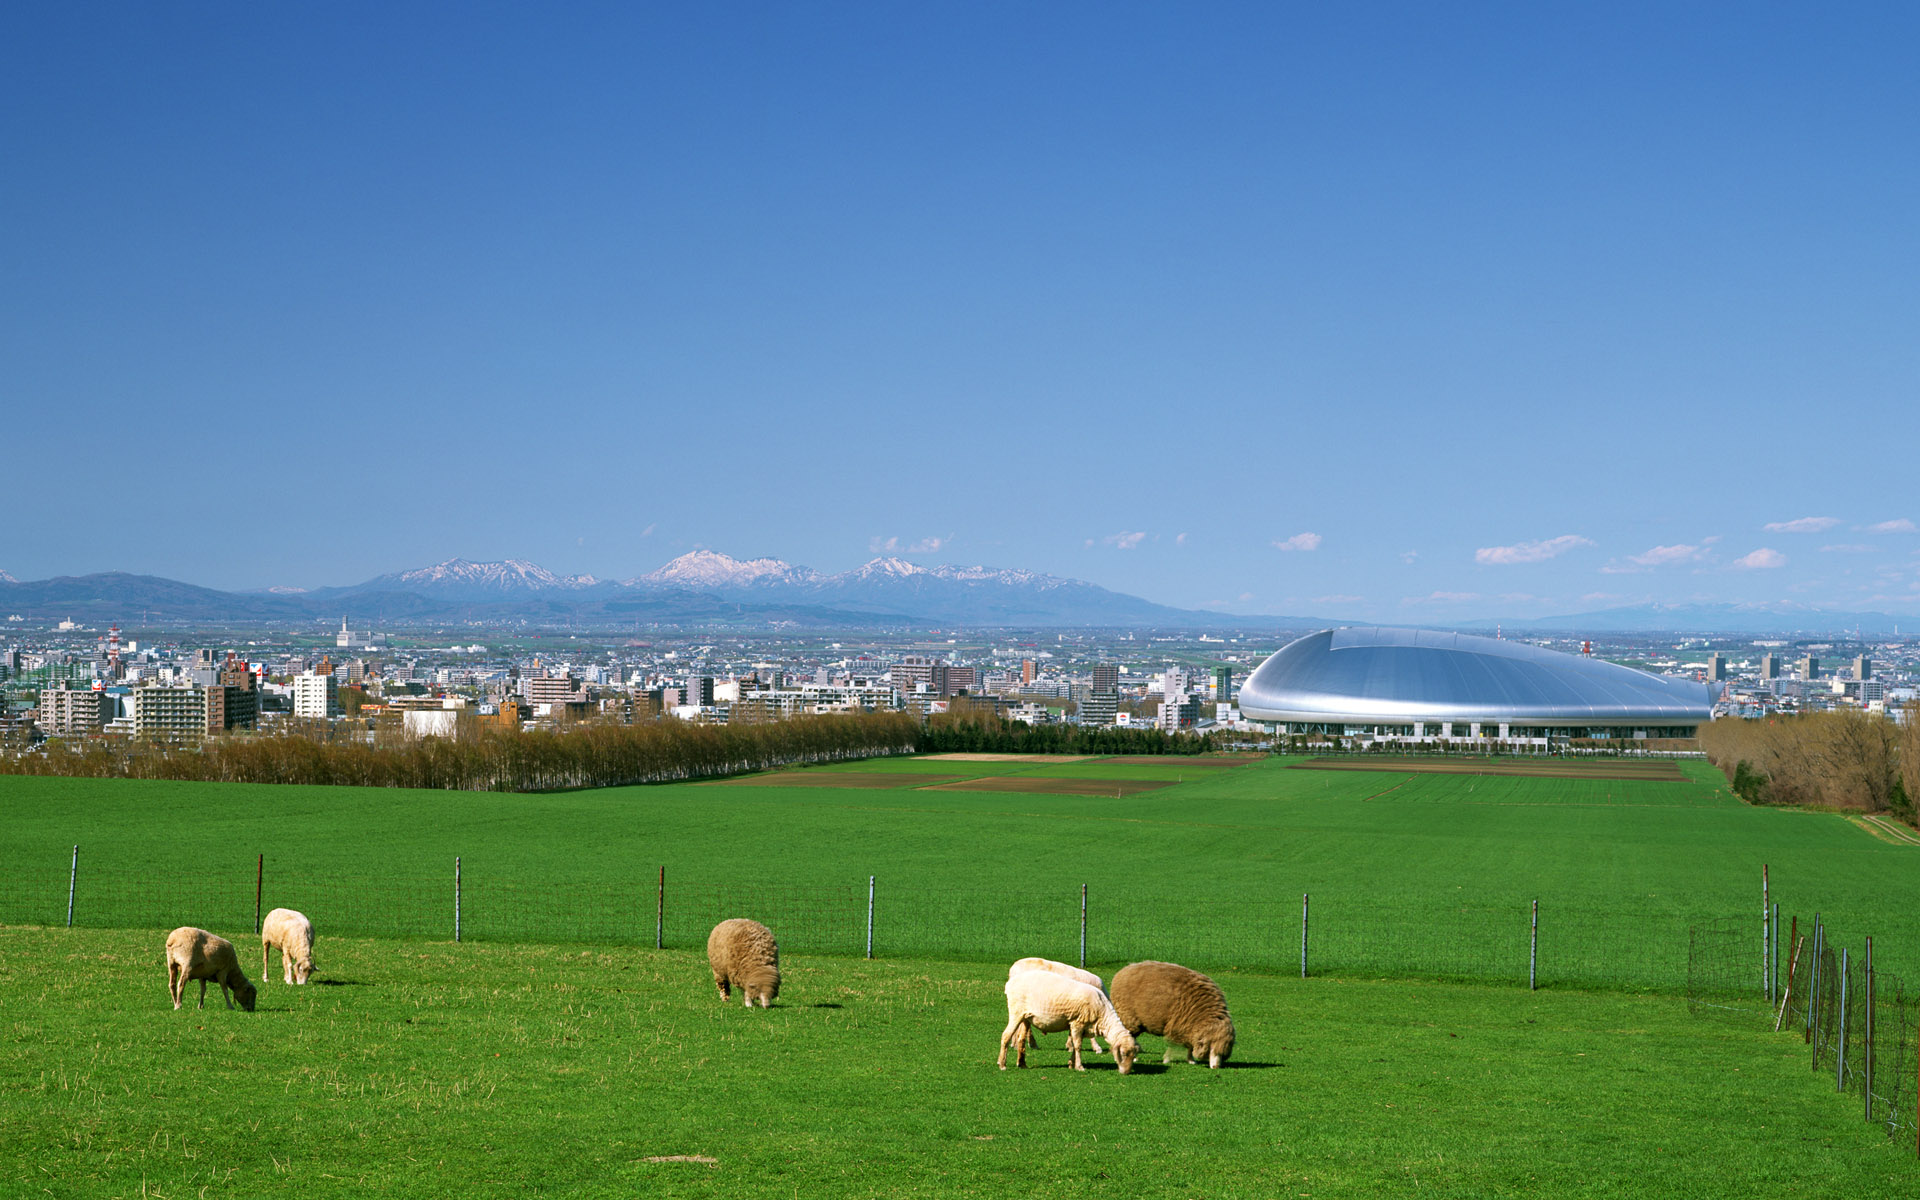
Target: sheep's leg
x,y
176,983
1093,1039
1013,1031
225,993
203,993
1074,1031
266,953
726,993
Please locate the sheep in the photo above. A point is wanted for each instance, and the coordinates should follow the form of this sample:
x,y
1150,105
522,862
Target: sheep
x,y
292,933
196,954
1178,1003
1058,968
1045,1001
743,952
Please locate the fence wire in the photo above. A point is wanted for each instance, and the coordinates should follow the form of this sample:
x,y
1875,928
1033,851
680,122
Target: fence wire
x,y
1858,1022
1335,934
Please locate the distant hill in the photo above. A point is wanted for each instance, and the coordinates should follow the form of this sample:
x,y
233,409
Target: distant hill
x,y
703,587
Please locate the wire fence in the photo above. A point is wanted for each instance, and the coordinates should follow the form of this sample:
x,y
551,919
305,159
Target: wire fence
x,y
1860,1023
1100,925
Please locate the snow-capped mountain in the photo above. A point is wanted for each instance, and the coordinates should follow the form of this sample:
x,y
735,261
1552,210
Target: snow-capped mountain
x,y
6,578
708,570
459,579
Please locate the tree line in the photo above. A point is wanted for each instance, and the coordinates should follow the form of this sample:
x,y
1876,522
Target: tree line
x,y
1840,759
586,754
480,758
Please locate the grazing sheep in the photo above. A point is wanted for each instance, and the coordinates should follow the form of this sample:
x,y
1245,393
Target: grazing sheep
x,y
1058,968
1044,1001
743,952
196,954
1178,1003
292,933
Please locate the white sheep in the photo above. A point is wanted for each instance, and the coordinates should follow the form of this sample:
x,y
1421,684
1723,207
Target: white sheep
x,y
1041,1000
1063,969
1178,1003
743,952
292,934
196,954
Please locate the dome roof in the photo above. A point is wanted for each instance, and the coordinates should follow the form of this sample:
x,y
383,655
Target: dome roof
x,y
1370,674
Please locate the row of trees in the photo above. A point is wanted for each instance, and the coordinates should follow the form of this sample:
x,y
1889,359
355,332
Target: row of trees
x,y
983,731
485,759
1840,759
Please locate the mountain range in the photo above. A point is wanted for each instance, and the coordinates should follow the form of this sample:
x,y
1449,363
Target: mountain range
x,y
702,587
705,587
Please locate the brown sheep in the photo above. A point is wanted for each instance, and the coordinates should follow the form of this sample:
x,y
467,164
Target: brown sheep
x,y
1178,1003
293,934
196,954
743,953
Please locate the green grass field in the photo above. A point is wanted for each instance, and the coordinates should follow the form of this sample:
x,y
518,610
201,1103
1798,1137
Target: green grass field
x,y
1409,873
420,1067
417,1069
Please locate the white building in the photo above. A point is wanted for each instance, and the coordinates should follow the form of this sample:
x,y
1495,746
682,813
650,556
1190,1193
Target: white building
x,y
316,695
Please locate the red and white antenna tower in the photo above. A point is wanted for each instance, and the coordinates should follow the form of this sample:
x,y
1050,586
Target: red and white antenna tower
x,y
113,651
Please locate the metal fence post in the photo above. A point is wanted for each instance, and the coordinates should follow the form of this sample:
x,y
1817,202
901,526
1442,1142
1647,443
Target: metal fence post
x,y
660,912
1840,1043
1866,1042
73,877
1774,973
1083,926
1766,980
259,885
1303,934
1533,952
1813,978
870,919
456,897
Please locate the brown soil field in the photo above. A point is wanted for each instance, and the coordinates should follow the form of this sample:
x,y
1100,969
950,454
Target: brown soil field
x,y
1007,758
1054,787
1656,771
835,779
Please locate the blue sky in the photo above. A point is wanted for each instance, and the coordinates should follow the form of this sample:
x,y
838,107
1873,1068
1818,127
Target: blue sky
x,y
1399,312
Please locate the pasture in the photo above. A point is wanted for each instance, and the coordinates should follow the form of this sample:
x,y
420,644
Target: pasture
x,y
1410,873
426,1069
556,1052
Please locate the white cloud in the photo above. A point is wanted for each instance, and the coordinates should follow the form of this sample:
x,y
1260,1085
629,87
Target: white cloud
x,y
925,545
1409,556
1245,596
1124,541
1530,552
647,532
1300,541
1897,525
1659,556
1442,598
1339,599
1179,539
1847,548
1802,525
1760,560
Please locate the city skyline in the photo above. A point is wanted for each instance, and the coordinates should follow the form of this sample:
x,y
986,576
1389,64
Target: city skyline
x,y
1401,315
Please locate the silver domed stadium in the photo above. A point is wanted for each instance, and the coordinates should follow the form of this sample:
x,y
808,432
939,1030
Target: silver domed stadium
x,y
1418,685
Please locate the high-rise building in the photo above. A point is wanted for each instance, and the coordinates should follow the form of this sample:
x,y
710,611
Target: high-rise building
x,y
914,671
1769,666
1863,668
1223,684
1106,677
1809,668
68,711
1716,667
699,691
962,679
177,714
1100,708
1027,671
316,694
